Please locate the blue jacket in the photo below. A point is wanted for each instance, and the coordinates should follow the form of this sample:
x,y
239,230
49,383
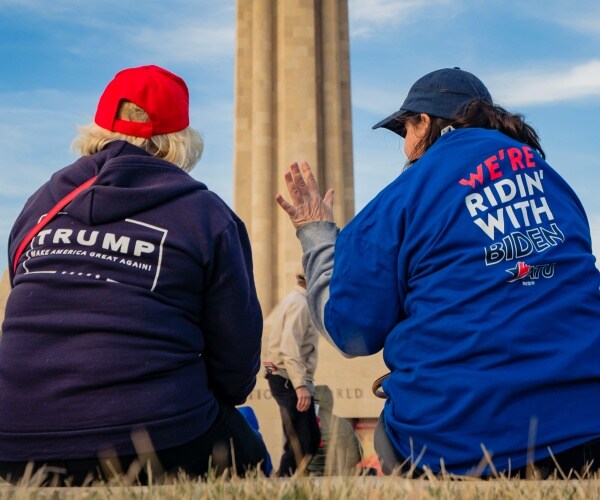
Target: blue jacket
x,y
473,270
136,308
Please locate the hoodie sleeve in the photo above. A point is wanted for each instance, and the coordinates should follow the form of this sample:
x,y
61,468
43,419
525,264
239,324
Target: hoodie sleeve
x,y
232,318
37,204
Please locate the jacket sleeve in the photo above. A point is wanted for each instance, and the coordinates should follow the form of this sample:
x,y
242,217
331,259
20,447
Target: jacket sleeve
x,y
364,303
232,318
353,297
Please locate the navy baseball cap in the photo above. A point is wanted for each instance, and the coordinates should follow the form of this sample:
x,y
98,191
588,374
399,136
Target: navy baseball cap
x,y
442,93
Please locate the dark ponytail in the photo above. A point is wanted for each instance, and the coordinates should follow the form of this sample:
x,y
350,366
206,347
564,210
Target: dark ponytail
x,y
483,115
478,114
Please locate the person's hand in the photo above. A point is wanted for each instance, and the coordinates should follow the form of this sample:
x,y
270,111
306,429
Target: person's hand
x,y
304,398
306,202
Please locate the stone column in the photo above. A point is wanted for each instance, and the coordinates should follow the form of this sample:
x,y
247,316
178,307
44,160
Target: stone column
x,y
337,115
292,103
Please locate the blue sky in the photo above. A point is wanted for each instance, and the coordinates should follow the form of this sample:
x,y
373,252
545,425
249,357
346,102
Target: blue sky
x,y
538,57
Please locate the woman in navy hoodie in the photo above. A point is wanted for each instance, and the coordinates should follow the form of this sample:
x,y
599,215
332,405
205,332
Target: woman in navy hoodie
x,y
474,272
133,327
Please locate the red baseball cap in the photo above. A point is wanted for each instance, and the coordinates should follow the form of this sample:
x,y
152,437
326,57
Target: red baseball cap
x,y
161,94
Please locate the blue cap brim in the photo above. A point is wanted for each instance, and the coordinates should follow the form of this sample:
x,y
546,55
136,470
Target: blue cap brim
x,y
393,123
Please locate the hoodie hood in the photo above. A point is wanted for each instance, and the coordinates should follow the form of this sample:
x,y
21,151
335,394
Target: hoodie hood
x,y
129,181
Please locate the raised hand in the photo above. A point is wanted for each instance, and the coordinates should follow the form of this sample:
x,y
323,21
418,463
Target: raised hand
x,y
306,203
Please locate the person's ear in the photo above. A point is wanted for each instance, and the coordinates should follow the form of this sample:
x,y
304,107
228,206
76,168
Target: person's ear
x,y
423,126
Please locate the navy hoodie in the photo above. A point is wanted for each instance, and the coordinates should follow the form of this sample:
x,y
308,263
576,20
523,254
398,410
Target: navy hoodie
x,y
135,308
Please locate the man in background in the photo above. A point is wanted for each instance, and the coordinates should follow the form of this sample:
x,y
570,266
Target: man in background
x,y
291,363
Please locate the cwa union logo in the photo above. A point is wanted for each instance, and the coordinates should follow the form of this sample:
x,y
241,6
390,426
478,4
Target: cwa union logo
x,y
523,270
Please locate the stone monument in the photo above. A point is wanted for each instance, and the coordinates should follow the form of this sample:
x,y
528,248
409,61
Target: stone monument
x,y
292,103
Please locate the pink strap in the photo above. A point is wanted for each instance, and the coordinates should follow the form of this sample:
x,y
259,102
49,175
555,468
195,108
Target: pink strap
x,y
49,216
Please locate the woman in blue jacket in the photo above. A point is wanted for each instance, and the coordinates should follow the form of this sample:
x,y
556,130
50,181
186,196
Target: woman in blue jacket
x,y
473,271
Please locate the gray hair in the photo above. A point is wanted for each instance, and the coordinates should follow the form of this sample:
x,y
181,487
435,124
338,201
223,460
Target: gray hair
x,y
183,148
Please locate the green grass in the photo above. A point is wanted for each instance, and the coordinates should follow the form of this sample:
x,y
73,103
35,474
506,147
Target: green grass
x,y
301,487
